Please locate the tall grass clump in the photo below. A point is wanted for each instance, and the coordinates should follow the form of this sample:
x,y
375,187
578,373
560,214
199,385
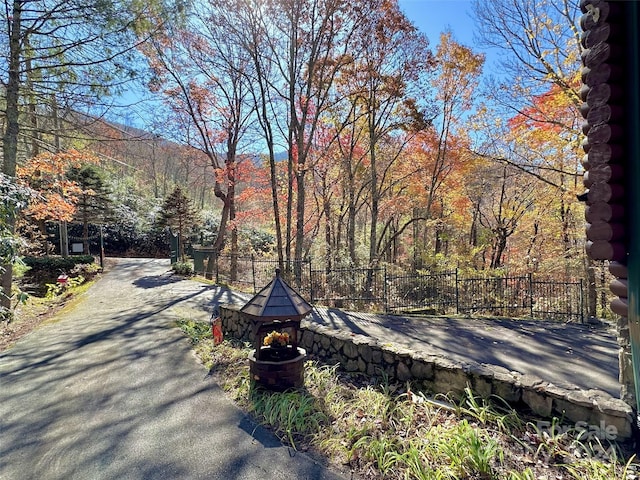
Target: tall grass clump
x,y
292,415
384,430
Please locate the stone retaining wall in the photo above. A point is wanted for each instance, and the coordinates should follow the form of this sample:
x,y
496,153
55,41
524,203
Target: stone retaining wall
x,y
359,353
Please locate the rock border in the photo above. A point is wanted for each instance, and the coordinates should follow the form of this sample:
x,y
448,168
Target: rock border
x,y
358,353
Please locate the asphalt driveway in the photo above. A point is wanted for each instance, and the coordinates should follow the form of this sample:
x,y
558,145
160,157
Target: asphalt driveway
x,y
111,390
571,356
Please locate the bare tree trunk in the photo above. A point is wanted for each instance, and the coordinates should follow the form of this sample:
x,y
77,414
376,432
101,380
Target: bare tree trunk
x,y
326,207
276,207
300,214
31,107
289,218
373,234
351,221
10,137
499,246
85,233
231,198
218,245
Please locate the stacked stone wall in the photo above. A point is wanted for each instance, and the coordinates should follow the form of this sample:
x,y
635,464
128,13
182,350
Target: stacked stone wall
x,y
434,374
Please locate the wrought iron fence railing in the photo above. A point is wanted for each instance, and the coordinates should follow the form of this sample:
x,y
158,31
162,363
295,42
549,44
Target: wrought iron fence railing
x,y
443,293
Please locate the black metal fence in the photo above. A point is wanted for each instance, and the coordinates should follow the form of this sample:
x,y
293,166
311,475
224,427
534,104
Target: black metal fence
x,y
353,287
444,293
521,296
250,273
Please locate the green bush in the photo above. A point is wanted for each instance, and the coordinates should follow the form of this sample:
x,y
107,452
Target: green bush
x,y
183,268
88,270
56,264
196,331
55,289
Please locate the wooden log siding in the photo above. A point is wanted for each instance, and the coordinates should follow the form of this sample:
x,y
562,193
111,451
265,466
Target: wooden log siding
x,y
605,250
604,160
606,192
601,94
600,154
620,287
603,212
604,231
600,173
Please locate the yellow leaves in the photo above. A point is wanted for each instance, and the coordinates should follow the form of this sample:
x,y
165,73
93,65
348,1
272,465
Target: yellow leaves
x,y
553,111
459,69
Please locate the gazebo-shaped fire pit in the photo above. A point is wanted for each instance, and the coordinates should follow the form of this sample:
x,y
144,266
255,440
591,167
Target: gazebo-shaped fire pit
x,y
277,362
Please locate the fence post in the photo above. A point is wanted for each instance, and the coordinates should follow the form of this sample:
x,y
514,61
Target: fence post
x,y
581,301
253,272
310,282
384,290
530,276
457,295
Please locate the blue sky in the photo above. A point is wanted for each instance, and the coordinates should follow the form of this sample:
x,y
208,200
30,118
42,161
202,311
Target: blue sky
x,y
434,16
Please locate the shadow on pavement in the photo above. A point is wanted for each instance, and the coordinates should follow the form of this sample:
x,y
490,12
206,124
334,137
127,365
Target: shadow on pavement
x,y
112,390
571,355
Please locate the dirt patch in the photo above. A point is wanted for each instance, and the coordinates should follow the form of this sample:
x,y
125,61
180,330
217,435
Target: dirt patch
x,y
27,317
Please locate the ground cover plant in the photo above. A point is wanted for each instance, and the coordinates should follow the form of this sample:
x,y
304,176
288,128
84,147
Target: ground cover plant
x,y
379,429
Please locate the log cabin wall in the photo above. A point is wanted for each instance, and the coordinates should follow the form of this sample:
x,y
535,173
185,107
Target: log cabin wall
x,y
607,113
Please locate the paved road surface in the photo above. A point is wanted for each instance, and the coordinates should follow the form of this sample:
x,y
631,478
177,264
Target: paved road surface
x,y
112,391
567,355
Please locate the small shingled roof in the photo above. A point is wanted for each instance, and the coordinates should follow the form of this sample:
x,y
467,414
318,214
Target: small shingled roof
x,y
277,301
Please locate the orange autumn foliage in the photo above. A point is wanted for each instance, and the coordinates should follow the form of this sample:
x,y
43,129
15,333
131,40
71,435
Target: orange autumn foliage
x,y
46,173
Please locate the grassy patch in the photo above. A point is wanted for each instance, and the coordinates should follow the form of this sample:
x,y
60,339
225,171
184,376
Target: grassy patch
x,y
196,331
391,431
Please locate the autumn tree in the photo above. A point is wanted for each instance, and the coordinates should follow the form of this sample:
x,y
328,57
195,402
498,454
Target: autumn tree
x,y
62,55
439,147
226,67
502,208
540,41
550,149
202,78
58,194
328,198
297,48
254,220
443,165
348,147
386,76
311,43
539,90
246,26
